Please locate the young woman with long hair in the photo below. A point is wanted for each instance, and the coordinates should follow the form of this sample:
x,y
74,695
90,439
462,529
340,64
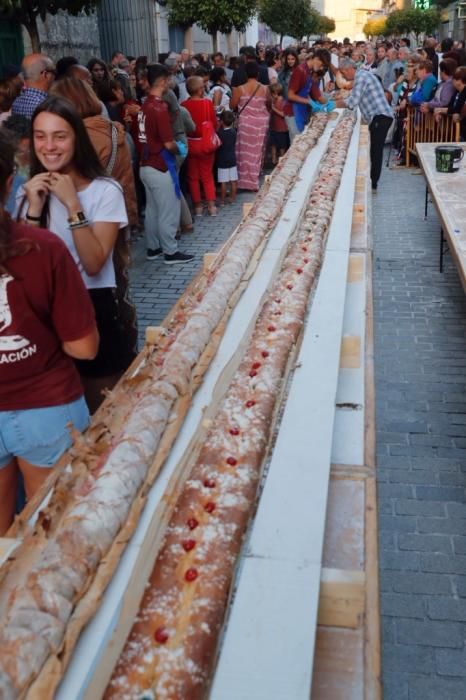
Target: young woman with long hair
x,y
290,62
46,318
70,194
99,71
108,138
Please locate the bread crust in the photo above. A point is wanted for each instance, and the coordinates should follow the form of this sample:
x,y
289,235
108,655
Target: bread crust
x,y
83,529
172,646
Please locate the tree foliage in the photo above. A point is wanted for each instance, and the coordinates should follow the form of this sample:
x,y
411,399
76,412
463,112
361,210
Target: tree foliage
x,y
26,12
326,25
375,26
413,20
212,15
441,3
295,19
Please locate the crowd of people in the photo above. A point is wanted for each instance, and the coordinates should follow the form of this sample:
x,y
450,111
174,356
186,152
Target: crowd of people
x,y
98,153
430,79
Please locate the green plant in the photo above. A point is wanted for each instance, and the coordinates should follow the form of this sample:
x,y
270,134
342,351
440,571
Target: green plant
x,y
375,26
296,18
212,15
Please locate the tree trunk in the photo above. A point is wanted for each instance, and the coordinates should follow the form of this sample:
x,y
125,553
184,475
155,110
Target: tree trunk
x,y
33,31
214,36
188,39
281,39
230,49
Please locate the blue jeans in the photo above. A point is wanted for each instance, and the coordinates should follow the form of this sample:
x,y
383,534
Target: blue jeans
x,y
40,435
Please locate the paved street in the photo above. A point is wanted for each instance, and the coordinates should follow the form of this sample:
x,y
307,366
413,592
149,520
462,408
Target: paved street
x,y
156,286
420,327
420,357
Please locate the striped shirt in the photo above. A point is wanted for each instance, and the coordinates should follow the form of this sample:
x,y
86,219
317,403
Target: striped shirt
x,y
368,95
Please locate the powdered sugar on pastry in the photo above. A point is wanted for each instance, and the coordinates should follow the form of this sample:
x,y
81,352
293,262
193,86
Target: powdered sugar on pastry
x,y
172,646
43,602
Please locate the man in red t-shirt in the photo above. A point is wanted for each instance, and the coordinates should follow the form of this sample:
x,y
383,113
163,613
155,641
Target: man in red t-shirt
x,y
303,87
158,172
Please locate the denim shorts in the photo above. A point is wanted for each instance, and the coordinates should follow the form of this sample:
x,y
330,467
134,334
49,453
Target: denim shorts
x,y
40,435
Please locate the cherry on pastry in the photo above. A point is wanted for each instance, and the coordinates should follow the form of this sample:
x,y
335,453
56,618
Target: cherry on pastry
x,y
232,461
188,545
191,575
252,373
161,635
209,507
256,365
210,483
234,431
265,353
193,523
250,403
289,286
299,270
271,329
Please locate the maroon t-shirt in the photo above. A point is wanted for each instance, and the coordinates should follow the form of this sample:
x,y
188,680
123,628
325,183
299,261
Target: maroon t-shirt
x,y
155,129
43,303
298,80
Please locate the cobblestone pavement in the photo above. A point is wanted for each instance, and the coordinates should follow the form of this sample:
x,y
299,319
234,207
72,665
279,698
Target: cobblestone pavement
x,y
156,287
420,358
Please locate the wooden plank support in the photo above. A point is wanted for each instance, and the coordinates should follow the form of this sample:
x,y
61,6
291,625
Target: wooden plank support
x,y
350,353
342,598
247,206
209,260
372,645
7,547
154,334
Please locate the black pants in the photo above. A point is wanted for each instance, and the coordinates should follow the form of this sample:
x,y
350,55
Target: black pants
x,y
378,130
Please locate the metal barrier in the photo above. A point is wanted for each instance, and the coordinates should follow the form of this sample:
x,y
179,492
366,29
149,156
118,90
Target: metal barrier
x,y
422,128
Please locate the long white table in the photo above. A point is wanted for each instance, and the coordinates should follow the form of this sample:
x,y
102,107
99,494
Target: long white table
x,y
448,194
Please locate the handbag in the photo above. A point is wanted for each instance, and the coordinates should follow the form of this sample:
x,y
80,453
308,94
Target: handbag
x,y
125,315
210,142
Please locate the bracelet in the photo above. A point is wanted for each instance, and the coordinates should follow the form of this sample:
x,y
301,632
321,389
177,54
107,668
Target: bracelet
x,y
33,218
79,224
77,218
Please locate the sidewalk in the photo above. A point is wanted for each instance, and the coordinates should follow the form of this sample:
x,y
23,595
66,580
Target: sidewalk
x,y
156,287
420,362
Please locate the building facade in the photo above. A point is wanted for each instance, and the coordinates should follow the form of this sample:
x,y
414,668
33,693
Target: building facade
x,y
350,16
137,28
453,21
